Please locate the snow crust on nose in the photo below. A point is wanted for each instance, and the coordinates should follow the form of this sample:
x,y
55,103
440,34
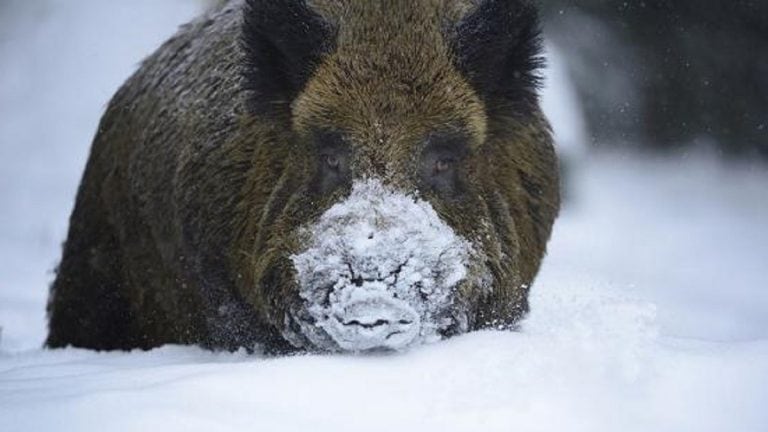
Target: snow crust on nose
x,y
379,270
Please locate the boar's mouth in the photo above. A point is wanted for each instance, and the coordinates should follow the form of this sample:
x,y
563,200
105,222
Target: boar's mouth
x,y
378,270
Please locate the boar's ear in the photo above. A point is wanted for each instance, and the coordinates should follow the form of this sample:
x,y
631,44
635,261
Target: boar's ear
x,y
497,46
283,40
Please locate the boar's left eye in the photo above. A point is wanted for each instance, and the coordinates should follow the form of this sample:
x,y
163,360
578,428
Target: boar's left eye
x,y
440,166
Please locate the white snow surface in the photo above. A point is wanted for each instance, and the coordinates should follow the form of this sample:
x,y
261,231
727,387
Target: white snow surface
x,y
379,271
650,313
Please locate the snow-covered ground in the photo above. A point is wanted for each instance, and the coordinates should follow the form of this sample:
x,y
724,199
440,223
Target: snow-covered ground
x,y
651,312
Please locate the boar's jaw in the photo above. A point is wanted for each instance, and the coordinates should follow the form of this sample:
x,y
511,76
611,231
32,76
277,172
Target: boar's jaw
x,y
379,270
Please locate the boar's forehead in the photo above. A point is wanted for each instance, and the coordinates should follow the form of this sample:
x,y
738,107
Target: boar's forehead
x,y
391,76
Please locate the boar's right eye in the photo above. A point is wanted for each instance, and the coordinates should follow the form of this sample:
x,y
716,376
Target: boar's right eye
x,y
332,161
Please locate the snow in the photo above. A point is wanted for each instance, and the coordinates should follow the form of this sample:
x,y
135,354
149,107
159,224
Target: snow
x,y
379,271
559,99
650,314
60,62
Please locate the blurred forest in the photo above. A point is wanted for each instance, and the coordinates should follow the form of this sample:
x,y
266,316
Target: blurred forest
x,y
668,74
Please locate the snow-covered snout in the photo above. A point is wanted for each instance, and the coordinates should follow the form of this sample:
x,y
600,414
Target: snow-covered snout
x,y
379,271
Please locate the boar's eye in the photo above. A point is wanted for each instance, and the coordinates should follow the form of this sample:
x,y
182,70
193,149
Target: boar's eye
x,y
443,165
440,166
332,161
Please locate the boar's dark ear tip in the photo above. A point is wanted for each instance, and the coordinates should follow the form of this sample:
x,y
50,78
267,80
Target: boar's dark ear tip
x,y
283,42
498,46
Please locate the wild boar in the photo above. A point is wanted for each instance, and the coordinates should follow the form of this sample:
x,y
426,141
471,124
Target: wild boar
x,y
321,175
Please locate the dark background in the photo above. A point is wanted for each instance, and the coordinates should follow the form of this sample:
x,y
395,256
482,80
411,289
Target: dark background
x,y
668,75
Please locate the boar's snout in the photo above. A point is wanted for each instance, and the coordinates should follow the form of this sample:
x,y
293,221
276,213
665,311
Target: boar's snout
x,y
379,270
372,318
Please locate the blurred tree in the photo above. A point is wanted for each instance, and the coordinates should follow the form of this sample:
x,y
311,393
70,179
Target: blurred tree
x,y
668,73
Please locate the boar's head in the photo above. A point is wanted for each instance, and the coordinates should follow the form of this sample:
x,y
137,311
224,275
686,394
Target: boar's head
x,y
405,185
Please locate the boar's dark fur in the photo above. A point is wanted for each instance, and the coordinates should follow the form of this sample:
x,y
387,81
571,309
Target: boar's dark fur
x,y
205,163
